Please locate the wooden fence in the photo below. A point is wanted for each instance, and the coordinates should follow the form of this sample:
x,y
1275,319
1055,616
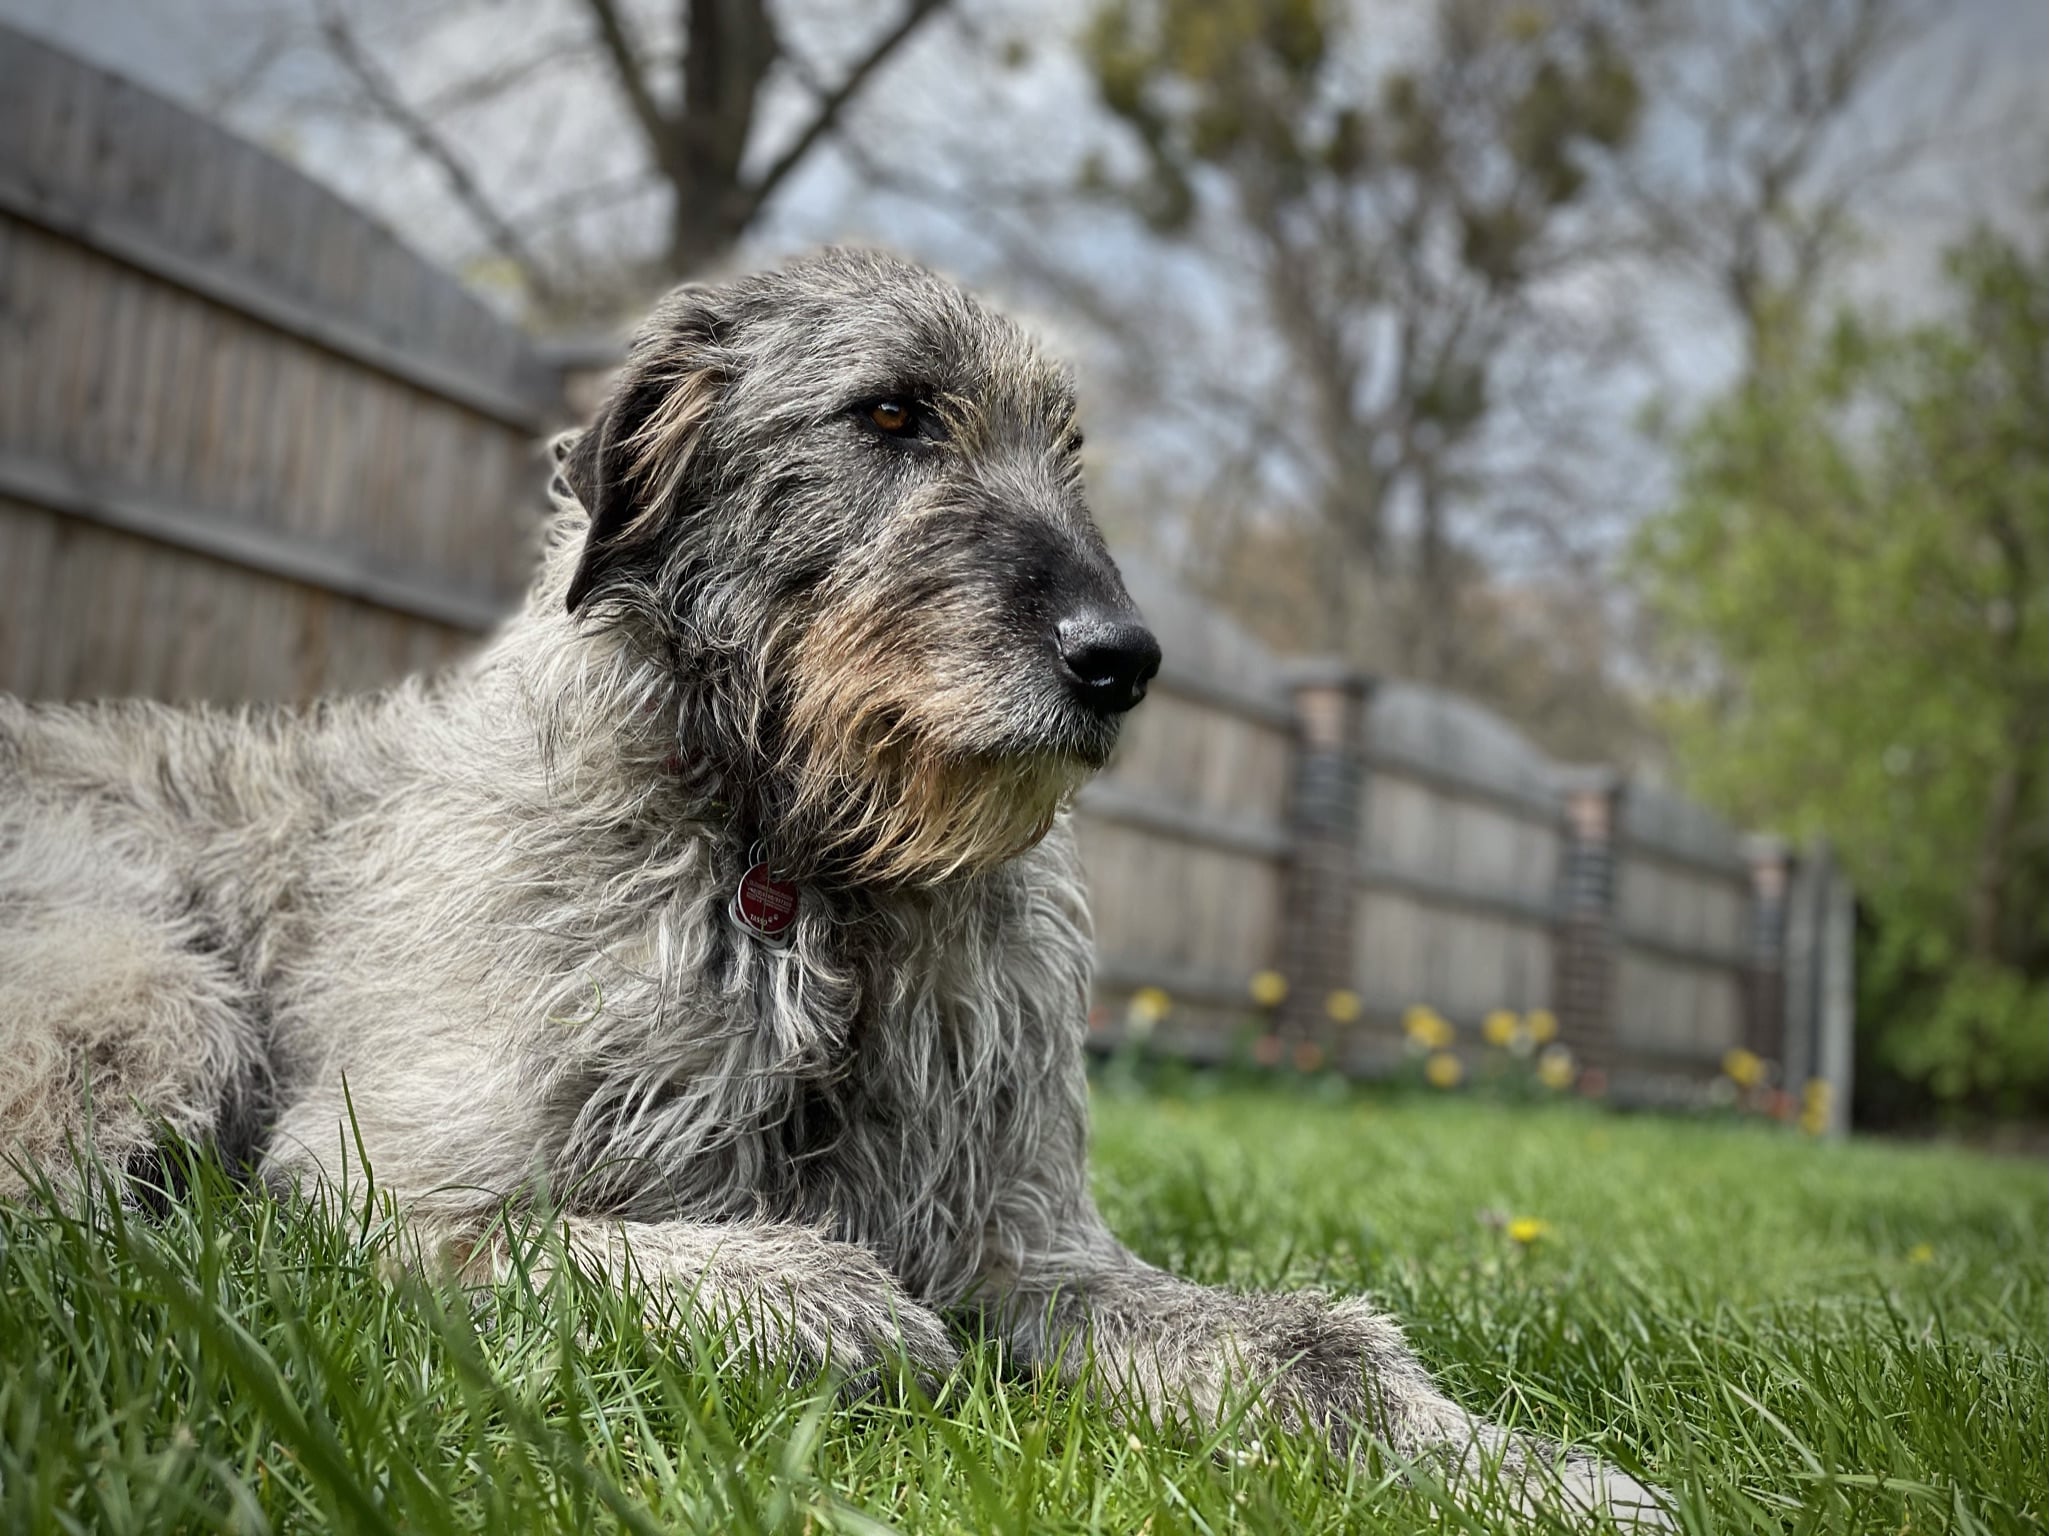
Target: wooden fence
x,y
1384,847
252,447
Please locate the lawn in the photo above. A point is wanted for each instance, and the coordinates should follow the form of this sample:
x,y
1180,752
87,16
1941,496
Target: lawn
x,y
1795,1337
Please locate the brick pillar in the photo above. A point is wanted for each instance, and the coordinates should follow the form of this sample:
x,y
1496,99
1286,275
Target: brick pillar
x,y
1764,1024
1323,845
1584,976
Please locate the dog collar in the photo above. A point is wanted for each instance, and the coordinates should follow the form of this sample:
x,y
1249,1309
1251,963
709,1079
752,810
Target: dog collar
x,y
764,905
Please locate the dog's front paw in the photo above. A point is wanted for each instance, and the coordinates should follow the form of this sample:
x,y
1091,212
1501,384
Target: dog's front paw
x,y
1345,1368
845,1317
1584,1485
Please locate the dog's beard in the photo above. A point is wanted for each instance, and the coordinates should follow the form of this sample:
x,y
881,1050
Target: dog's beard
x,y
894,818
885,782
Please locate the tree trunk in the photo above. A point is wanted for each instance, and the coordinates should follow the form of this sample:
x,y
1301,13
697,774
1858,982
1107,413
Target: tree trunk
x,y
730,46
1988,881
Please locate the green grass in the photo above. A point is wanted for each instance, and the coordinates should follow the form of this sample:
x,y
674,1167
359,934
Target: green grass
x,y
1794,1337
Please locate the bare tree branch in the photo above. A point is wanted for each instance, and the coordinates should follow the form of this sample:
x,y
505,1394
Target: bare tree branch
x,y
382,95
626,64
835,101
483,89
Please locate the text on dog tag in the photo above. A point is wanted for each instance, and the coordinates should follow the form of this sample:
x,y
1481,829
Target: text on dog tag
x,y
764,905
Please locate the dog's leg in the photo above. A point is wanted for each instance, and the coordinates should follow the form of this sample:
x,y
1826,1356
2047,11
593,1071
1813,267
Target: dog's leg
x,y
1181,1352
118,1012
787,1298
110,1023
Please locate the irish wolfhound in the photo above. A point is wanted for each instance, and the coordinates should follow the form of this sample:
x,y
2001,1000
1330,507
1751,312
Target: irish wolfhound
x,y
727,897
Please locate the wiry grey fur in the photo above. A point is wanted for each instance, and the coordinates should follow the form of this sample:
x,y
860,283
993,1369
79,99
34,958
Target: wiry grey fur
x,y
488,912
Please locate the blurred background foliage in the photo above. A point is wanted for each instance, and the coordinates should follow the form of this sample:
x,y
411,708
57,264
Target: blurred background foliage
x,y
1597,359
1854,572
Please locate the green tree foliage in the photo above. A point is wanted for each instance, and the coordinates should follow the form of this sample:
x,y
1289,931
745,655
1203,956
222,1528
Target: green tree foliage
x,y
1393,223
1855,574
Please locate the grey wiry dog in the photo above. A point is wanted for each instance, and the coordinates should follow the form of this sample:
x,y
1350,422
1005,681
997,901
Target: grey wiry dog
x,y
822,593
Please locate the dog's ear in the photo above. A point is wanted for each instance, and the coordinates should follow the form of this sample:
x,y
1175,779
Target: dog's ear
x,y
628,466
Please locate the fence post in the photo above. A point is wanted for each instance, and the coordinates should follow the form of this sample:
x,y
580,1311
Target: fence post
x,y
1801,971
1584,980
1764,1025
1829,1057
1327,792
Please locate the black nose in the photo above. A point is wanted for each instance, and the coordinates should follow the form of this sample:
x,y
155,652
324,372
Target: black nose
x,y
1108,658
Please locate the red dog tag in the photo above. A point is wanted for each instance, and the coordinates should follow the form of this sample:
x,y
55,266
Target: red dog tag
x,y
764,905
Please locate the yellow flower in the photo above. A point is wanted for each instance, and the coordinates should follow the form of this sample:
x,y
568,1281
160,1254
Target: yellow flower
x,y
1815,1097
1554,1068
1269,989
1149,1005
1444,1070
1743,1068
1542,1024
1921,1253
1500,1027
1427,1028
1342,1006
1527,1229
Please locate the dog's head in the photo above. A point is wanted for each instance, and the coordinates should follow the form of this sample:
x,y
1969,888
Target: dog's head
x,y
846,499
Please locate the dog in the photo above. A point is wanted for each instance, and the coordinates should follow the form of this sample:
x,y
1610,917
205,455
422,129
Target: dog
x,y
726,903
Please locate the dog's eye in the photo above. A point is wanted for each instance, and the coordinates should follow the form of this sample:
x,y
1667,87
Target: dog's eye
x,y
907,418
894,417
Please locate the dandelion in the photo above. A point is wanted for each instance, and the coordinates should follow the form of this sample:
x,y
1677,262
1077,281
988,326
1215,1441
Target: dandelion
x,y
1555,1068
1427,1028
1148,1006
1743,1068
1921,1253
1527,1229
1269,989
1500,1027
1444,1070
1542,1024
1342,1006
1815,1097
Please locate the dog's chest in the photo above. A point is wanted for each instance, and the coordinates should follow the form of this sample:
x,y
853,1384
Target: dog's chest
x,y
882,1094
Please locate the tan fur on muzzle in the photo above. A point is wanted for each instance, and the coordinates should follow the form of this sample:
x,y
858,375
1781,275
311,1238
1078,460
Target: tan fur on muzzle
x,y
875,754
